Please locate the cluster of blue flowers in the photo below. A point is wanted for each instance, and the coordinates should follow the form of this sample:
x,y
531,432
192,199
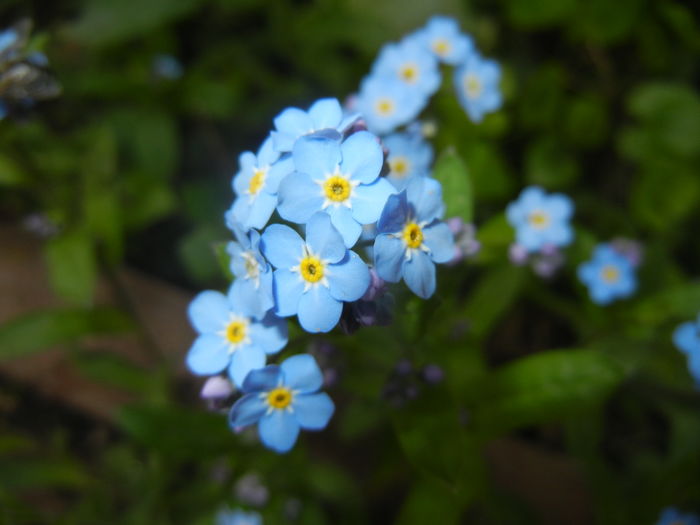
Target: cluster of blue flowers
x,y
326,212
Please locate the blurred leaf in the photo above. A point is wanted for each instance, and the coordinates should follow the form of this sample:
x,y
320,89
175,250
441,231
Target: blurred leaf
x,y
72,266
426,500
606,22
680,303
489,173
451,171
539,13
112,369
587,121
11,173
147,199
549,164
198,252
39,330
33,474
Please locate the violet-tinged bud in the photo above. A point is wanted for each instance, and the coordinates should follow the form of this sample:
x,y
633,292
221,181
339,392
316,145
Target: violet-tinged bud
x,y
249,489
549,250
433,374
330,377
630,249
377,286
545,267
403,367
517,254
455,224
216,388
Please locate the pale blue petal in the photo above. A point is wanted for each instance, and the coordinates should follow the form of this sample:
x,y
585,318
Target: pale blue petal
x,y
326,113
368,201
209,311
288,287
362,157
347,226
277,173
252,301
389,255
267,154
299,197
394,215
324,239
301,372
532,197
316,156
425,196
318,311
294,121
208,355
313,411
438,238
279,431
560,234
260,210
270,334
349,279
283,142
247,410
282,246
560,206
687,338
419,274
244,359
247,163
262,379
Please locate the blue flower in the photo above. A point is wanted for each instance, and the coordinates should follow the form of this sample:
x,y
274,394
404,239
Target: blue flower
x,y
8,38
238,517
315,277
540,219
230,336
386,104
441,35
256,185
686,337
608,276
409,156
341,179
477,84
282,400
409,63
253,274
671,516
411,238
324,114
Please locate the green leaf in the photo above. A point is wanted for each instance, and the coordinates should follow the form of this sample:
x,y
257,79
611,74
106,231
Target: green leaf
x,y
680,302
457,192
111,369
33,474
39,330
10,173
72,266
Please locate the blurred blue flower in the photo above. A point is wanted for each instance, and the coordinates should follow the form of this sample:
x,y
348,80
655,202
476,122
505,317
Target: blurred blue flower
x,y
253,274
166,66
540,219
230,337
386,104
477,83
411,238
282,400
608,275
324,114
686,337
8,37
409,156
256,185
341,179
442,36
409,63
315,277
238,517
671,516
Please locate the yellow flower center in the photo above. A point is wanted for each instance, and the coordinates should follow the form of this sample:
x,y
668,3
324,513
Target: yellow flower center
x,y
441,47
538,219
399,166
337,188
235,332
413,235
257,181
472,85
311,269
610,273
385,106
409,73
279,397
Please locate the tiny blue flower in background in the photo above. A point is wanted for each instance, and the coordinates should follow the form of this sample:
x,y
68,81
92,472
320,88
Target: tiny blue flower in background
x,y
324,114
409,63
671,516
409,156
477,84
238,517
256,185
540,219
166,66
253,274
8,38
341,179
608,275
686,337
230,337
282,400
386,104
411,238
441,35
315,277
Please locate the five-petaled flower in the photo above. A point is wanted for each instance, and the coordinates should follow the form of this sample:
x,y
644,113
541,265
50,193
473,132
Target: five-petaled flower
x,y
608,275
477,84
441,35
409,156
409,63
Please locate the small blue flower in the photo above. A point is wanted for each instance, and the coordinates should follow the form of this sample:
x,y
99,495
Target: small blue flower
x,y
256,185
671,516
409,63
282,400
386,104
253,274
315,277
238,517
442,36
477,83
166,66
324,114
230,337
341,179
540,219
411,238
686,337
409,156
608,275
8,38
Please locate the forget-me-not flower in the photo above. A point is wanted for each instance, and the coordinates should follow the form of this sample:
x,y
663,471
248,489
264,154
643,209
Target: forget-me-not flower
x,y
313,277
608,275
686,337
409,156
442,36
672,516
411,238
385,104
230,337
282,400
477,83
256,185
341,179
411,64
238,517
540,219
324,114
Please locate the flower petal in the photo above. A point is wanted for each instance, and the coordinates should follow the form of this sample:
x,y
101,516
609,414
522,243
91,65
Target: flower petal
x,y
262,379
253,301
246,411
318,311
349,279
299,197
293,121
368,201
317,156
313,411
394,215
419,274
425,196
279,430
270,334
324,239
389,255
301,372
362,157
281,245
208,311
326,113
208,355
247,358
277,173
287,290
347,226
260,210
686,338
439,239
